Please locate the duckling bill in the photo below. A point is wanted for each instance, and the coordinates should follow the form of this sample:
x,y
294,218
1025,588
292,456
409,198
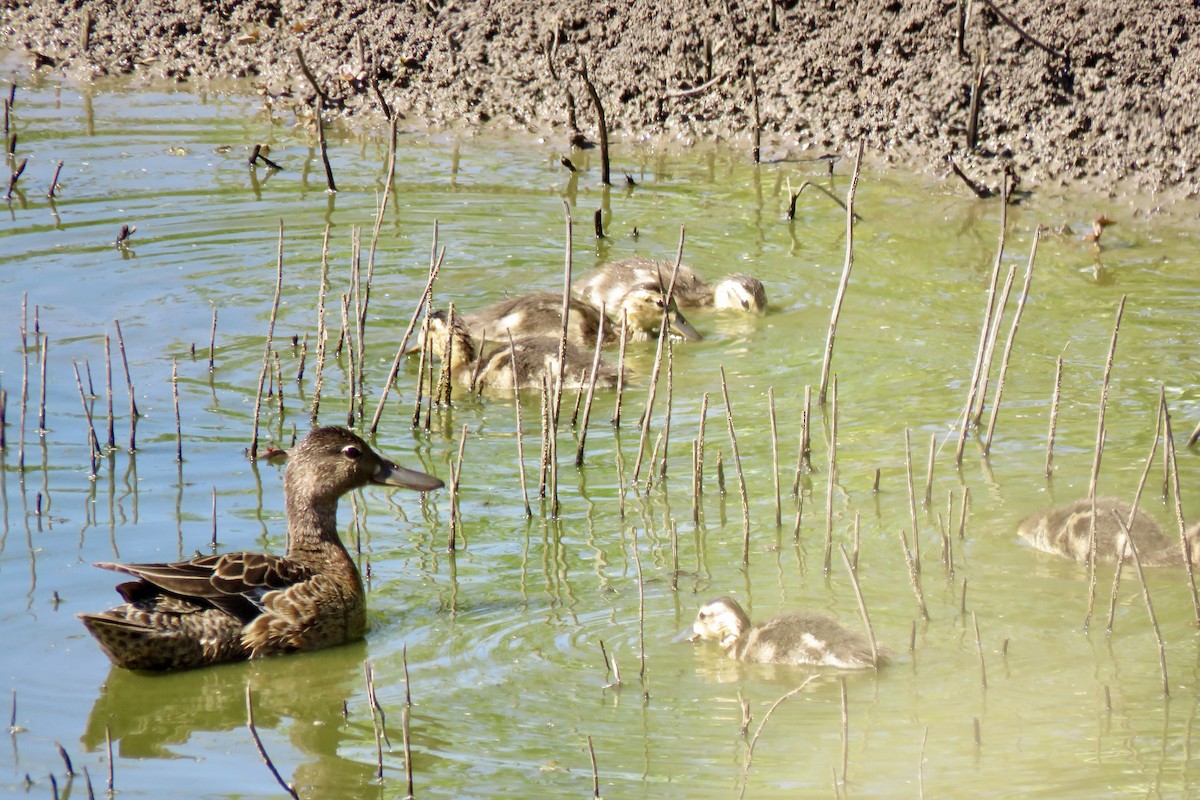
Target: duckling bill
x,y
797,639
236,606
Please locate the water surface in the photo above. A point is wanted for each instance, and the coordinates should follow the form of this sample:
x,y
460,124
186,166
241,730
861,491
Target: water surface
x,y
505,638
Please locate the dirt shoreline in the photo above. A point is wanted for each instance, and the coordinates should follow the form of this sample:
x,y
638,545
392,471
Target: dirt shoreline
x,y
1079,93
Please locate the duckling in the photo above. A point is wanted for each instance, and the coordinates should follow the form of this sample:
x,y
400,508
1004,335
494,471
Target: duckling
x,y
495,371
540,314
798,639
739,292
235,606
1065,532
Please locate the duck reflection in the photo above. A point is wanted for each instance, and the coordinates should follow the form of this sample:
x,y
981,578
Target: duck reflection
x,y
148,716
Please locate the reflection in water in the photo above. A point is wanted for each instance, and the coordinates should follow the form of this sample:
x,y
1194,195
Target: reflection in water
x,y
156,716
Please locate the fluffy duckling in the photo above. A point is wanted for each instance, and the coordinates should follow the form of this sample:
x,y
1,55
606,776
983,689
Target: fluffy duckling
x,y
540,314
1065,532
739,292
496,372
236,606
799,639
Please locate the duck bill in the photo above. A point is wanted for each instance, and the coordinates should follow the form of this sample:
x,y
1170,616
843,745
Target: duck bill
x,y
390,474
688,634
682,327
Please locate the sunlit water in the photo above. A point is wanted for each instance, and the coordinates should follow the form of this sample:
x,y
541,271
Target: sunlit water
x,y
506,637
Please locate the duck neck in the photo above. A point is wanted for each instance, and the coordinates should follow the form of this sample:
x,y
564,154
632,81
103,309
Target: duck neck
x,y
312,522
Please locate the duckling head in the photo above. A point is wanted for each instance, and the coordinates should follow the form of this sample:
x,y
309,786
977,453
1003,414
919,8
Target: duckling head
x,y
462,352
740,292
722,620
643,305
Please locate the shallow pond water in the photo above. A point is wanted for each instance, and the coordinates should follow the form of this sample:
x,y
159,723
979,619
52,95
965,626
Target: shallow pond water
x,y
505,639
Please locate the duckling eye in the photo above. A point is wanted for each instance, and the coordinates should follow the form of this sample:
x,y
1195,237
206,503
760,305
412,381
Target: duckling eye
x,y
352,452
658,302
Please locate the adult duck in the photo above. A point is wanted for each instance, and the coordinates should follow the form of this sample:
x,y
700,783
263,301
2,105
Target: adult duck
x,y
235,606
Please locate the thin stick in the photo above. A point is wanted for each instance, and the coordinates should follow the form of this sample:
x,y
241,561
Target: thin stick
x,y
322,332
666,430
93,442
111,767
601,123
637,561
1008,345
988,309
591,391
133,409
1137,562
291,790
830,482
804,451
595,774
262,375
929,470
979,649
757,132
1096,458
658,355
737,462
434,268
845,724
845,281
914,576
405,714
332,187
763,724
455,521
912,502
990,352
175,397
700,445
378,718
212,344
775,455
852,570
616,417
43,348
1058,371
1170,457
54,181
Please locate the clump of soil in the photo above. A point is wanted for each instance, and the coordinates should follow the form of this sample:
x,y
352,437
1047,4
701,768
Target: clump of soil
x,y
1071,89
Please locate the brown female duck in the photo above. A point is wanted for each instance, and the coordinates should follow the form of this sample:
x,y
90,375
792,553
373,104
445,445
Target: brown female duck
x,y
608,284
1066,531
799,639
235,606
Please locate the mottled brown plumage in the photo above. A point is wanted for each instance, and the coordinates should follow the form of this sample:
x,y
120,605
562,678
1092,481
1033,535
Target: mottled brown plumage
x,y
799,639
609,284
494,371
1066,531
540,315
244,605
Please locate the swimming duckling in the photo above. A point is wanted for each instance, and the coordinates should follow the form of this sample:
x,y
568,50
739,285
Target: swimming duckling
x,y
739,292
495,372
799,639
540,314
236,606
1065,532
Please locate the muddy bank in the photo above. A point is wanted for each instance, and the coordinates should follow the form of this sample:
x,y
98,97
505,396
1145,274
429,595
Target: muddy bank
x,y
1070,89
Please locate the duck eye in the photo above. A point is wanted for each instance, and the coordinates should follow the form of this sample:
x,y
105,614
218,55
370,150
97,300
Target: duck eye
x,y
351,452
659,302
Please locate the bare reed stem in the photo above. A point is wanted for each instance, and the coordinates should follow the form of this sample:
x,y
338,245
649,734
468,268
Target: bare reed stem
x,y
262,375
1137,562
175,398
763,724
133,409
1171,458
1058,371
845,281
455,521
287,787
1008,345
1096,458
737,462
912,501
914,576
852,571
591,390
774,455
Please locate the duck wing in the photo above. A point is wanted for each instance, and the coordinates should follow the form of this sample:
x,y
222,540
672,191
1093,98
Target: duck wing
x,y
232,582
